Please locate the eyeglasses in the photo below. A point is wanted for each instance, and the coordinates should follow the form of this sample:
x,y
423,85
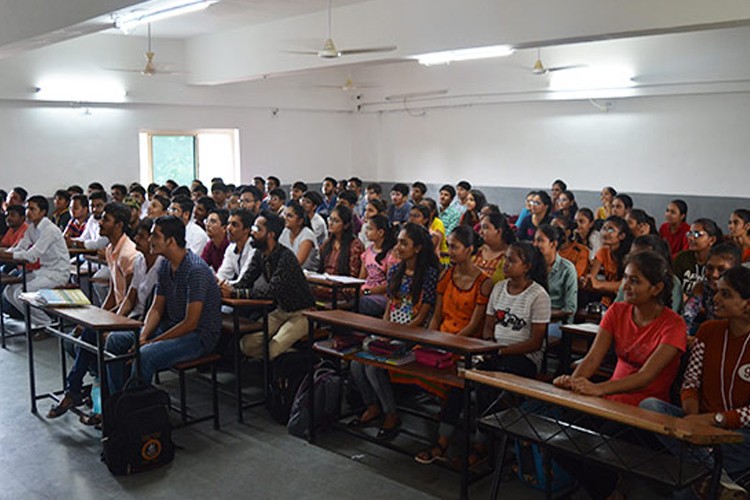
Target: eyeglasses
x,y
609,230
535,203
255,229
695,234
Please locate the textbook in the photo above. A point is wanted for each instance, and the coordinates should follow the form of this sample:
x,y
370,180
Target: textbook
x,y
62,298
389,360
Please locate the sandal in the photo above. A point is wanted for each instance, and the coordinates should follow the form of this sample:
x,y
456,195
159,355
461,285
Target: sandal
x,y
386,433
92,419
62,407
431,455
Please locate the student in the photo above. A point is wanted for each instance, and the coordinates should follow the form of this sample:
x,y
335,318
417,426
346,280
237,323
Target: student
x,y
251,199
195,237
120,254
475,201
715,390
218,241
437,226
311,201
609,261
42,242
497,236
118,192
421,215
340,254
355,184
299,237
329,199
145,274
398,211
418,192
586,231
238,254
541,206
96,187
411,297
640,223
295,194
139,193
79,211
689,264
158,207
621,205
260,184
739,231
374,191
275,274
272,182
61,215
448,212
674,230
565,205
607,196
198,191
203,206
17,226
276,200
219,192
571,250
377,259
648,339
699,305
135,214
526,210
90,238
460,309
349,200
462,193
372,208
184,321
562,278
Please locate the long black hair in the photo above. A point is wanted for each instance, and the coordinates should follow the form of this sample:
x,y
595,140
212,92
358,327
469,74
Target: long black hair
x,y
531,255
711,228
295,207
347,236
426,259
656,270
625,244
499,221
389,238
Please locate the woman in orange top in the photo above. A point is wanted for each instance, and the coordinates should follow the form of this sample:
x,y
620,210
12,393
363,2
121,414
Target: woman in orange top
x,y
739,231
497,235
609,260
463,292
575,252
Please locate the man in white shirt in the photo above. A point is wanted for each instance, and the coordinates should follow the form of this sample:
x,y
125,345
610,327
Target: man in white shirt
x,y
195,237
239,252
43,243
90,238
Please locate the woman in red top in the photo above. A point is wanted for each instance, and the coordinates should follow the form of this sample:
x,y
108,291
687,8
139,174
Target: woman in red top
x,y
674,230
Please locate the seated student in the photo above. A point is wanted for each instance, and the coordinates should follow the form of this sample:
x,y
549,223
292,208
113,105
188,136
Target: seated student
x,y
374,191
299,237
238,254
377,259
276,200
541,209
340,254
372,208
158,207
138,192
118,192
198,191
295,194
16,222
437,226
526,210
421,215
329,199
61,215
418,192
251,199
3,206
556,190
689,264
566,206
609,261
260,184
562,279
640,223
398,210
184,321
145,274
203,207
274,273
460,309
739,231
648,339
475,202
311,200
571,250
349,200
233,202
586,231
621,205
699,304
675,229
218,242
462,194
654,243
90,238
42,242
715,390
121,255
79,211
497,236
607,197
135,213
411,297
220,193
195,237
448,211
94,187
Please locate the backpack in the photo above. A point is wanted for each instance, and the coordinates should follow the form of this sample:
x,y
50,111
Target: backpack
x,y
327,386
137,432
287,372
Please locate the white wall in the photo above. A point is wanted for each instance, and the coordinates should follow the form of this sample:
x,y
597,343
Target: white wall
x,y
695,145
45,148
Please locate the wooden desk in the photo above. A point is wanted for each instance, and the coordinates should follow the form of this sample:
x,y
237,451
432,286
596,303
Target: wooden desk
x,y
91,317
237,305
577,440
11,280
586,331
464,346
336,286
78,254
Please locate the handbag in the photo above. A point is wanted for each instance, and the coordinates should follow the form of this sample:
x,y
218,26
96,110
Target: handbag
x,y
434,358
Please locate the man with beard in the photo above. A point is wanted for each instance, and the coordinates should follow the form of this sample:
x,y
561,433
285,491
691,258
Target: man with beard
x,y
90,237
275,274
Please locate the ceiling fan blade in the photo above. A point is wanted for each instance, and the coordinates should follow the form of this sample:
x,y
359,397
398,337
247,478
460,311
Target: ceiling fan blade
x,y
302,52
564,68
367,50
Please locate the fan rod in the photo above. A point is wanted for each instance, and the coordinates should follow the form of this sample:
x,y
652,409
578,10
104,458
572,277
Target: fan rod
x,y
149,37
329,19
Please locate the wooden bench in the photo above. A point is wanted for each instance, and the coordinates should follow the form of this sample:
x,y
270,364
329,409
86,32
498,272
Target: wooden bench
x,y
209,360
5,280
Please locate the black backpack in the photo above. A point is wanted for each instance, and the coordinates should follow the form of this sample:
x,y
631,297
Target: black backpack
x,y
327,387
137,432
287,372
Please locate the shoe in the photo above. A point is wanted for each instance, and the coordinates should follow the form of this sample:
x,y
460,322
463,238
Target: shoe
x,y
63,406
94,419
386,433
728,489
430,455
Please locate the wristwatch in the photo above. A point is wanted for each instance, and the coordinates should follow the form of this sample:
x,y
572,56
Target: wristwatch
x,y
366,292
720,420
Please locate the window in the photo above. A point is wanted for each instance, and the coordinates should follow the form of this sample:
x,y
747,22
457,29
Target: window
x,y
184,156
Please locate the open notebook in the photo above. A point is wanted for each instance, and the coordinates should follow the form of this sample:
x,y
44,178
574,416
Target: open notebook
x,y
62,298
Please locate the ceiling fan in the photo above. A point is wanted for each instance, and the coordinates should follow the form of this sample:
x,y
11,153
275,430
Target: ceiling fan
x,y
540,69
330,51
151,68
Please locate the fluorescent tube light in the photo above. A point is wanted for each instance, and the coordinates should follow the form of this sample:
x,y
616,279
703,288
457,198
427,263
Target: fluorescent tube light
x,y
128,22
448,56
81,91
591,78
416,95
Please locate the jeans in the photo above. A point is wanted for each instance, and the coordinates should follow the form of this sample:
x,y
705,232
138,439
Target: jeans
x,y
736,457
155,357
372,305
84,361
374,385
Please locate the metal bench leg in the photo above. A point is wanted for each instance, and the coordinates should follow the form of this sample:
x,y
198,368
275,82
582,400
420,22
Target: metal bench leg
x,y
183,402
215,395
499,461
547,466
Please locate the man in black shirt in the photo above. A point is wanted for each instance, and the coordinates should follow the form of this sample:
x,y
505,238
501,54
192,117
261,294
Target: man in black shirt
x,y
275,274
